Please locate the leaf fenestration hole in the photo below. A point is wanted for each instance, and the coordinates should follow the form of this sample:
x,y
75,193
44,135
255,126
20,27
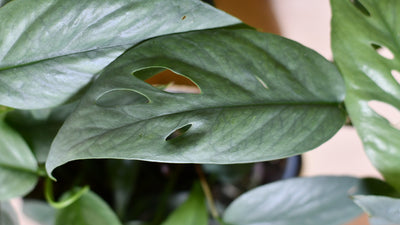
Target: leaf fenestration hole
x,y
387,111
178,132
396,75
262,82
383,51
361,7
121,97
172,82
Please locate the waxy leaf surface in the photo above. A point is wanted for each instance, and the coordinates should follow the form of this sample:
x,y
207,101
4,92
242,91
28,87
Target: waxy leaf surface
x,y
51,49
360,34
300,201
262,97
381,210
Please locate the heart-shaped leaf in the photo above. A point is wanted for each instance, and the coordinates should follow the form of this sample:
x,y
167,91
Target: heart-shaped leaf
x,y
49,50
18,167
361,33
300,201
262,97
382,210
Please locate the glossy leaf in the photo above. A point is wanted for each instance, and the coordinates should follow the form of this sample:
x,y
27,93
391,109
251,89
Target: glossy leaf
x,y
88,210
39,211
192,212
8,216
382,210
51,49
300,201
235,119
18,167
359,34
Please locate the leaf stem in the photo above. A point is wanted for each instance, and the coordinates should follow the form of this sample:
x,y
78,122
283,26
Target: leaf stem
x,y
207,192
48,193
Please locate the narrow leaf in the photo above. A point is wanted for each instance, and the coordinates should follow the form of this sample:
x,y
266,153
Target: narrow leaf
x,y
235,119
300,201
192,212
361,33
49,50
18,167
382,210
88,210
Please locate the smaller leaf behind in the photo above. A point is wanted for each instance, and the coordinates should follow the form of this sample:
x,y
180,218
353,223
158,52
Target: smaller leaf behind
x,y
8,216
382,210
192,212
90,209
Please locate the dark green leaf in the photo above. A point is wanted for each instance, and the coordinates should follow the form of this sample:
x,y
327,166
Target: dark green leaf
x,y
7,214
88,210
262,97
359,34
39,211
382,210
49,50
192,212
18,167
300,201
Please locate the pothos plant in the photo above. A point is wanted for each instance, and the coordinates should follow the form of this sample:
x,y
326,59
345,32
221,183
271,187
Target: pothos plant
x,y
72,89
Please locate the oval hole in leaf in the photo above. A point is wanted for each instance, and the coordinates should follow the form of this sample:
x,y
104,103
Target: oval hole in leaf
x,y
121,97
387,111
383,51
178,132
172,82
361,7
396,75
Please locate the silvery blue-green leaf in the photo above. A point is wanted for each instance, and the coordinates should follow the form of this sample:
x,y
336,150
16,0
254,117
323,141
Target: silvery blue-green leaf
x,y
89,209
300,201
18,167
381,210
7,214
192,212
262,97
360,34
40,212
50,49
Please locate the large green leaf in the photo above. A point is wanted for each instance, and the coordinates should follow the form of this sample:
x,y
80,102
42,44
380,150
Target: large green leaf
x,y
90,209
300,201
50,49
262,97
192,212
382,210
18,167
358,31
8,216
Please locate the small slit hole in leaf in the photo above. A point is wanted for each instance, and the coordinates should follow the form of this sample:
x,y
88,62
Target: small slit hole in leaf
x,y
387,111
262,82
383,51
172,82
178,132
361,7
396,75
121,97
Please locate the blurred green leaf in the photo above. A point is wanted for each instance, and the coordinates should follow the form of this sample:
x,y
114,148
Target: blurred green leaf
x,y
262,97
52,49
39,211
359,35
18,167
90,209
382,210
192,212
300,201
7,214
